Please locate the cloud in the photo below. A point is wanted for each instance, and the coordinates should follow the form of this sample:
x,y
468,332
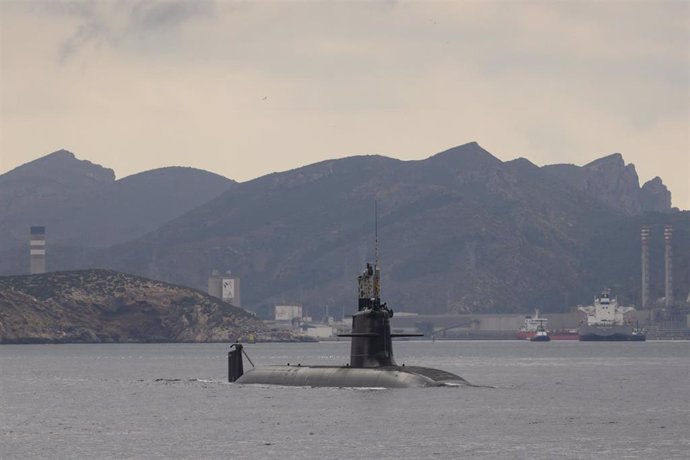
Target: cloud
x,y
125,23
148,15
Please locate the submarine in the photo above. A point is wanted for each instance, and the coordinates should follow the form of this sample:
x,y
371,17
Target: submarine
x,y
371,354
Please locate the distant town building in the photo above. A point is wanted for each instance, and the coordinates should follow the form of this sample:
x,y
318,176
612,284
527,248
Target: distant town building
x,y
37,250
225,287
288,312
319,331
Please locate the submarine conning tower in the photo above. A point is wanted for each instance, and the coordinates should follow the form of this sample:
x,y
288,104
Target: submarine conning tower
x,y
371,329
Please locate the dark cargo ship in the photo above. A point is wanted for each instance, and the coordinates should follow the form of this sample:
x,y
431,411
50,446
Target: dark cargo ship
x,y
605,322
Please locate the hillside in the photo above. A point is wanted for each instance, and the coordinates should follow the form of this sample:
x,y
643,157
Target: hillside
x,y
460,231
82,204
107,306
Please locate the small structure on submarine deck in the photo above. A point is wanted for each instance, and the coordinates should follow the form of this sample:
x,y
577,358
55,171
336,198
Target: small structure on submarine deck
x,y
371,354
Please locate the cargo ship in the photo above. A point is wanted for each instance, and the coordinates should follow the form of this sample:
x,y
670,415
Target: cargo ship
x,y
605,322
531,326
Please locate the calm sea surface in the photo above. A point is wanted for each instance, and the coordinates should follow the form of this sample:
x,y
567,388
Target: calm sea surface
x,y
549,401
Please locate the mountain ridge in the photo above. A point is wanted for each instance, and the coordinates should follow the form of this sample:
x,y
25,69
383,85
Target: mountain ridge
x,y
82,203
439,186
459,231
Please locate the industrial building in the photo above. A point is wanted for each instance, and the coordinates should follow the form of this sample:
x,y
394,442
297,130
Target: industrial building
x,y
292,317
225,287
666,318
288,313
37,250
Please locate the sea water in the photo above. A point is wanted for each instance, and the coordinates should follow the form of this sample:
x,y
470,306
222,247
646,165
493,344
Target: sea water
x,y
535,401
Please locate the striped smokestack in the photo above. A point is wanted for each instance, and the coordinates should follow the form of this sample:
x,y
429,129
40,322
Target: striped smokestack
x,y
668,260
37,250
644,237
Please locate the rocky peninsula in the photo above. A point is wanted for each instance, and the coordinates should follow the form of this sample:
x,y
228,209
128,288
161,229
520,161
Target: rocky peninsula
x,y
95,306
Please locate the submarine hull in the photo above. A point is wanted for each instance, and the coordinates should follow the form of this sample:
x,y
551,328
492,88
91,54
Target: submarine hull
x,y
371,354
349,377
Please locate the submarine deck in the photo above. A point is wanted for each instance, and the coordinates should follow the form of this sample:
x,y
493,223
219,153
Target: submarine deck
x,y
345,376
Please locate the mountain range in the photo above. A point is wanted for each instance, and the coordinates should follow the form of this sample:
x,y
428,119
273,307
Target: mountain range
x,y
82,204
459,231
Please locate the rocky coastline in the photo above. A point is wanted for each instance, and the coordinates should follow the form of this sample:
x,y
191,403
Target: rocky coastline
x,y
104,306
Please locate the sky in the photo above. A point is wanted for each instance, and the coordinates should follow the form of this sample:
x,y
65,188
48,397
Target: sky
x,y
246,88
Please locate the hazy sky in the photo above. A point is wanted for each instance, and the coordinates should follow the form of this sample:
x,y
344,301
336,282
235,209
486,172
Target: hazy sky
x,y
247,88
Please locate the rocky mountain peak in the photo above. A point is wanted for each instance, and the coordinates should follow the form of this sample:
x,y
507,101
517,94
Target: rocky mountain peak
x,y
64,167
58,155
613,171
470,154
615,160
655,196
615,182
611,181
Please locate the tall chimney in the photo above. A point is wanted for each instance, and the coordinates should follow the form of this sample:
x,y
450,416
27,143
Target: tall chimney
x,y
37,250
644,236
668,260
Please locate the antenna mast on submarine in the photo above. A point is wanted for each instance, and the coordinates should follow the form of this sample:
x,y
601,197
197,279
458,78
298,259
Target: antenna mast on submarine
x,y
376,233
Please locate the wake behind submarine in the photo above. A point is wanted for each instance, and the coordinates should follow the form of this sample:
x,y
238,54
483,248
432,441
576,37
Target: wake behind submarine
x,y
371,354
